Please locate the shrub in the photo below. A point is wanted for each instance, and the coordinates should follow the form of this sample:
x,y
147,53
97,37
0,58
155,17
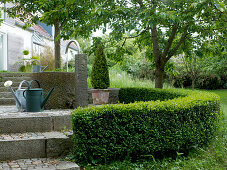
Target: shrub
x,y
24,68
25,52
131,95
182,80
100,74
209,81
47,58
136,130
224,81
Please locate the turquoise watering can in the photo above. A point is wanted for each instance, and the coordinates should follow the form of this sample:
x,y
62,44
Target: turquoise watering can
x,y
34,98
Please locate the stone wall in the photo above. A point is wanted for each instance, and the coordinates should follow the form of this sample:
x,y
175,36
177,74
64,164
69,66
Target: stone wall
x,y
63,96
70,89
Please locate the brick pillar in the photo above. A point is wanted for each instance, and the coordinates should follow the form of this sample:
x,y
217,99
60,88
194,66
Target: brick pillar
x,y
81,90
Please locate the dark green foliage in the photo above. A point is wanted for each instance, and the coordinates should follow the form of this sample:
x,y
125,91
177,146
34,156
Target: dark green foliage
x,y
22,68
100,74
204,81
182,80
137,130
224,81
131,95
25,52
209,81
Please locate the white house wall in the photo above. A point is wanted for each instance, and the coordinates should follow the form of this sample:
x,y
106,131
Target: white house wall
x,y
18,40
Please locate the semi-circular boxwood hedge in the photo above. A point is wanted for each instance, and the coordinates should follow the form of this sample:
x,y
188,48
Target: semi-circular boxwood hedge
x,y
164,120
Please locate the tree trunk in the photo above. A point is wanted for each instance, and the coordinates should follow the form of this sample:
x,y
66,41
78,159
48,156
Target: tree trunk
x,y
57,46
193,83
159,74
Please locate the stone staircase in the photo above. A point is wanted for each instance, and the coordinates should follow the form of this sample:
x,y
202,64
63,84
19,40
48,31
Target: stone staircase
x,y
30,137
6,98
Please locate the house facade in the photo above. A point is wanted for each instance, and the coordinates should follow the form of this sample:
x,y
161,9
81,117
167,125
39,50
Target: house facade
x,y
14,40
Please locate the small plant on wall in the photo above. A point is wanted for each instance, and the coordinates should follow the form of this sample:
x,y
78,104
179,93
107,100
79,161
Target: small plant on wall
x,y
100,77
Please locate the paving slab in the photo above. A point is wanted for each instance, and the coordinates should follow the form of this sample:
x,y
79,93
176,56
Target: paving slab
x,y
7,101
6,95
35,145
12,121
39,163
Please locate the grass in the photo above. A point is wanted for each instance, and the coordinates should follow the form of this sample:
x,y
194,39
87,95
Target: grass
x,y
120,79
223,95
213,156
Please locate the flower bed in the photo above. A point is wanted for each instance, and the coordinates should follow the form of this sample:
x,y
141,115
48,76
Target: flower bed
x,y
157,121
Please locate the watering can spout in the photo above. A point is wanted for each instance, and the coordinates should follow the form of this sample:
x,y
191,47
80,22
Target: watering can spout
x,y
47,97
14,95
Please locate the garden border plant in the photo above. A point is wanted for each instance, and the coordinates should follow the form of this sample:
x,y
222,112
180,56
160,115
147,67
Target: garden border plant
x,y
158,121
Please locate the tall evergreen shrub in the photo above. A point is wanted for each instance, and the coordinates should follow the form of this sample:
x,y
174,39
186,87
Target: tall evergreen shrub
x,y
100,74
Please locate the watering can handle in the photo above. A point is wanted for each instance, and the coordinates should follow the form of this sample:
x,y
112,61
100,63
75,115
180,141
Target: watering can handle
x,y
24,81
30,83
23,93
35,61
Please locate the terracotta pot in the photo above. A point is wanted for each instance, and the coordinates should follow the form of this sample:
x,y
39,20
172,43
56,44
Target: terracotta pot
x,y
100,96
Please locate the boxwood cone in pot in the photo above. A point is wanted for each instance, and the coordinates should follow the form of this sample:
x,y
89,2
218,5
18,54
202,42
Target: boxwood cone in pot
x,y
100,77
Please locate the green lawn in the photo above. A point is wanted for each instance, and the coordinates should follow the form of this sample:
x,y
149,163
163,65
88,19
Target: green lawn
x,y
213,156
223,95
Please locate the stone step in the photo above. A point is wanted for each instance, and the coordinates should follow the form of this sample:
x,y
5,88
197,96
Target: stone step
x,y
6,95
16,79
12,121
15,74
39,163
35,145
7,101
6,89
15,84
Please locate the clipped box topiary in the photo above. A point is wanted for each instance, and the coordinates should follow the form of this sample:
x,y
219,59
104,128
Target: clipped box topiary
x,y
154,122
100,78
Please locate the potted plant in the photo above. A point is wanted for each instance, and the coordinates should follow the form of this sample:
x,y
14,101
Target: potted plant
x,y
100,77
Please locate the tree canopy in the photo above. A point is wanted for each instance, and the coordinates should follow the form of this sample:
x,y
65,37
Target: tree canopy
x,y
161,26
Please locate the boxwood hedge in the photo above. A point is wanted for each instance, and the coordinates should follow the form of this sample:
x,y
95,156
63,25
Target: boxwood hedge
x,y
165,120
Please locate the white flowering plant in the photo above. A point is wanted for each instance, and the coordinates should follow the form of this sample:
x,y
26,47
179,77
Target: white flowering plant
x,y
8,83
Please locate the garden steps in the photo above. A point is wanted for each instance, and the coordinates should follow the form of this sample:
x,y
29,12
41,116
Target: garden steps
x,y
28,135
16,79
12,121
34,145
7,101
6,89
6,95
15,74
6,98
15,84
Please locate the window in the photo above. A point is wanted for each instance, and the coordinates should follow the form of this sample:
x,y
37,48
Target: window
x,y
3,51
